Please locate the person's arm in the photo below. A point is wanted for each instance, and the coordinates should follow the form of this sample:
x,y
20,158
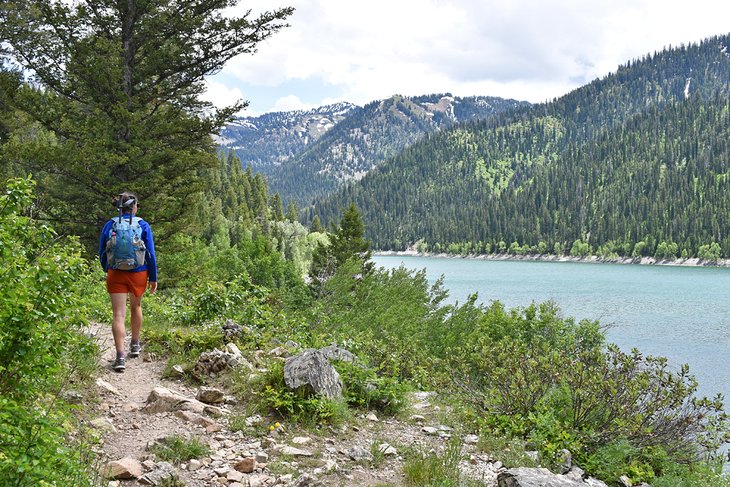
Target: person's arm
x,y
102,245
150,257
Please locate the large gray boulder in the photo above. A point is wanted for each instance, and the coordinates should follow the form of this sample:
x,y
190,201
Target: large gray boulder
x,y
312,369
541,477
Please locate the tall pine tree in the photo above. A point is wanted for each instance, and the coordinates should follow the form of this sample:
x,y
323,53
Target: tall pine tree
x,y
118,84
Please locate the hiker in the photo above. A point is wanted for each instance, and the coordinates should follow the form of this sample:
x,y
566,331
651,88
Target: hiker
x,y
127,254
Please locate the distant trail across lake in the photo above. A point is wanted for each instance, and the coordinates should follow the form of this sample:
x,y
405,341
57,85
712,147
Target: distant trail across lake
x,y
682,313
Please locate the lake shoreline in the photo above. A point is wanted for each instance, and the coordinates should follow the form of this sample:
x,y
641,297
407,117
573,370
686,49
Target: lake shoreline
x,y
591,259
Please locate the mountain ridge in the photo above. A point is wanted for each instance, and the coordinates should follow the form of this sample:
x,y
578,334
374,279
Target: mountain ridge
x,y
302,168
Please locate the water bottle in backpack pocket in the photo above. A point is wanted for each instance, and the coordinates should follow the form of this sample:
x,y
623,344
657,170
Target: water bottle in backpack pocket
x,y
125,249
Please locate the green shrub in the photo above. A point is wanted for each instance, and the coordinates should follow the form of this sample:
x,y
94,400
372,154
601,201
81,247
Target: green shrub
x,y
363,388
40,346
433,470
541,377
298,406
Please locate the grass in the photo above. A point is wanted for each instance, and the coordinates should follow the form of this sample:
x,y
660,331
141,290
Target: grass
x,y
179,449
512,452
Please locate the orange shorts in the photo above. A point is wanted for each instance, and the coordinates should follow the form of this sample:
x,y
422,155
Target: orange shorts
x,y
126,282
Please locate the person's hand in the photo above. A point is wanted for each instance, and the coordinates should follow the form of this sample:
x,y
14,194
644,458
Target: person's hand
x,y
152,286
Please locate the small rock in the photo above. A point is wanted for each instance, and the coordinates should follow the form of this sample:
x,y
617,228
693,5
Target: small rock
x,y
149,465
359,454
418,418
295,452
625,481
125,468
194,465
247,465
262,457
235,475
471,439
533,454
221,471
387,450
163,471
260,481
103,424
107,387
306,480
372,417
130,407
430,430
71,396
178,371
210,395
300,440
576,473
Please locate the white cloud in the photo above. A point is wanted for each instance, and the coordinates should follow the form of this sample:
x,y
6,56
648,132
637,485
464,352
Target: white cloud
x,y
221,95
525,49
290,103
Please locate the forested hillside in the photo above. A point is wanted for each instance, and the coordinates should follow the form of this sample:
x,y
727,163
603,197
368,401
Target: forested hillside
x,y
632,164
363,138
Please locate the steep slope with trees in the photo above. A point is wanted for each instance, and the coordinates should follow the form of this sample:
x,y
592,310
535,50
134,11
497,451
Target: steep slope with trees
x,y
360,141
632,164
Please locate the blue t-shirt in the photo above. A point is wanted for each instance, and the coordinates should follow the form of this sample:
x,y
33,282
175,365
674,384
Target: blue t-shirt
x,y
150,260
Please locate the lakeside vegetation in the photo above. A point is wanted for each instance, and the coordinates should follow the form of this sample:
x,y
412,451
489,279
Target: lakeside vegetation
x,y
523,375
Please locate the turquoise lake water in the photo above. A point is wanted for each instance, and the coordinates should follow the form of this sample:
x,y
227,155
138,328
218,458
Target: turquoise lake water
x,y
682,313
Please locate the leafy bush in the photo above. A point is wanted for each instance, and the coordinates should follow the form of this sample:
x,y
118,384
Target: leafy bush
x,y
535,375
40,320
363,388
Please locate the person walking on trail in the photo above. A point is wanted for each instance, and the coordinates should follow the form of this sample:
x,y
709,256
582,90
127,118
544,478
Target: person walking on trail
x,y
127,254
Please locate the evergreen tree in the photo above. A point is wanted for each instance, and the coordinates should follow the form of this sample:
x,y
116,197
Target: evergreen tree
x,y
120,92
316,226
292,211
347,242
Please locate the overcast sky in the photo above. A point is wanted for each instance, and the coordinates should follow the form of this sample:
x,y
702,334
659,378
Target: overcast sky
x,y
534,50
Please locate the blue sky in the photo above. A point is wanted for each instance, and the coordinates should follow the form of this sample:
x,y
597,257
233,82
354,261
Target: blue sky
x,y
534,50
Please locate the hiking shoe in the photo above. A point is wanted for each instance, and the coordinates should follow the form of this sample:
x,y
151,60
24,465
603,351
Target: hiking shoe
x,y
134,349
119,364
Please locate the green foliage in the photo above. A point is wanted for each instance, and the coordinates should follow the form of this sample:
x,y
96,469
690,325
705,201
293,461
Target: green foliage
x,y
298,406
40,345
533,374
387,316
122,102
433,470
346,244
363,388
179,449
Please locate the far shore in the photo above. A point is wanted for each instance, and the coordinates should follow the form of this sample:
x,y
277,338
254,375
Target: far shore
x,y
593,259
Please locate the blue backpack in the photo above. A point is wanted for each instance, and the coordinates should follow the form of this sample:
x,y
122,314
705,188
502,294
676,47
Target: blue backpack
x,y
125,249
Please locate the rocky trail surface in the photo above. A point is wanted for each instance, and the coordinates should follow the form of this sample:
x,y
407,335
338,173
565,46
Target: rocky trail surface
x,y
138,408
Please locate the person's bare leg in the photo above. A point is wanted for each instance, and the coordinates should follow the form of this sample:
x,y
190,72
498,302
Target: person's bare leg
x,y
135,310
119,313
